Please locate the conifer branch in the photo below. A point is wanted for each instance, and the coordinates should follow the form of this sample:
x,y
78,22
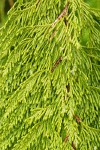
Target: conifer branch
x,y
61,15
53,34
90,128
27,94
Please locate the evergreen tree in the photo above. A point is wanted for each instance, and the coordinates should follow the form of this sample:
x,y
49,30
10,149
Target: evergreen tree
x,y
50,76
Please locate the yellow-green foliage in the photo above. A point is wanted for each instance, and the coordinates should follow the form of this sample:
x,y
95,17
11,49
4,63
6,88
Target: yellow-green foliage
x,y
50,76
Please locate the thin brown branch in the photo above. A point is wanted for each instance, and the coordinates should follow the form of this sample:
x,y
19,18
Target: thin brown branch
x,y
66,138
73,145
56,63
77,118
53,34
61,15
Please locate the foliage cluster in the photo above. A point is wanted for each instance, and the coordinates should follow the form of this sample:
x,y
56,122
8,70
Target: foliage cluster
x,y
50,76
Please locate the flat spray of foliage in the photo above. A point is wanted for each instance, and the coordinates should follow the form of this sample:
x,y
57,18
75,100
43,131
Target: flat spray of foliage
x,y
50,76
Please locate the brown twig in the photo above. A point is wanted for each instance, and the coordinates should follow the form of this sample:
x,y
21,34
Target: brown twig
x,y
53,34
61,15
56,63
66,138
73,145
77,118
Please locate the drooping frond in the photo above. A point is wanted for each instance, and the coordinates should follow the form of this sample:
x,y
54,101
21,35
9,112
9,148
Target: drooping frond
x,y
50,76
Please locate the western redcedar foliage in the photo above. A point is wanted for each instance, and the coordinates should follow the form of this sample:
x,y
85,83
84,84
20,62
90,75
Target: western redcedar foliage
x,y
50,76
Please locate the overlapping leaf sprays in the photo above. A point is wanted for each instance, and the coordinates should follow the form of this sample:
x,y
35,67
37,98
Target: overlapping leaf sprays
x,y
49,76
